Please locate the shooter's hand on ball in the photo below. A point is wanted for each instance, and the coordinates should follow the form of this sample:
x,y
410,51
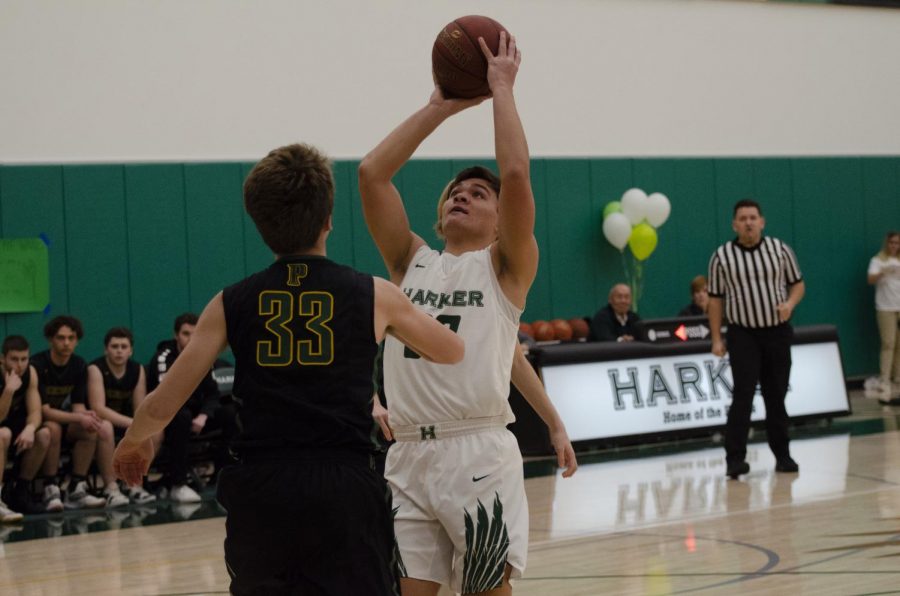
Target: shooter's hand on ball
x,y
503,67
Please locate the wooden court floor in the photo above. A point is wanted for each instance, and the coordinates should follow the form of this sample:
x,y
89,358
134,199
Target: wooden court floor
x,y
658,524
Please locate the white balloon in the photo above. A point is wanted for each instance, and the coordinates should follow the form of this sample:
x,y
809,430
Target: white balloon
x,y
634,205
658,209
617,229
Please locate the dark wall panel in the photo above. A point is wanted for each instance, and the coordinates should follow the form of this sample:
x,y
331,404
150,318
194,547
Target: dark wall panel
x,y
610,178
569,211
157,244
256,254
138,244
215,231
33,204
98,255
687,233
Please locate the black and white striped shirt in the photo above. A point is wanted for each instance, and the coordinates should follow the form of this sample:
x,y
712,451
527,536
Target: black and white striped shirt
x,y
753,281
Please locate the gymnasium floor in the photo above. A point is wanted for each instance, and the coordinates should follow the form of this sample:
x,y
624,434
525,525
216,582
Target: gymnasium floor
x,y
653,520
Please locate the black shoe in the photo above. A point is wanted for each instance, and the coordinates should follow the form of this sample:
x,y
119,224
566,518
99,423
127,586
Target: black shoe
x,y
786,464
737,468
21,499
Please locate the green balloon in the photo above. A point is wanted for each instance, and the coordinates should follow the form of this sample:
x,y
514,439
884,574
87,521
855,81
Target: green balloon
x,y
612,207
642,241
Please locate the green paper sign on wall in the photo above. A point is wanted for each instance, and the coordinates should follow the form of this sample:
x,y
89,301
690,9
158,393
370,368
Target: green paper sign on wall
x,y
24,275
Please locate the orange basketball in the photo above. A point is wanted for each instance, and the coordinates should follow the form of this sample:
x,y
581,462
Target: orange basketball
x,y
562,329
526,329
543,331
580,328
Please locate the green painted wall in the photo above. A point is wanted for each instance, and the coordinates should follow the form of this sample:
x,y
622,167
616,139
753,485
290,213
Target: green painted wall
x,y
139,244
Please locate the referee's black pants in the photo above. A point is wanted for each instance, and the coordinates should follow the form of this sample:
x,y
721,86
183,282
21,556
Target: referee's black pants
x,y
758,356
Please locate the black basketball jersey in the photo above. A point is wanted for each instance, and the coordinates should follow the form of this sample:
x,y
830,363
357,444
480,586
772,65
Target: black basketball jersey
x,y
304,345
18,409
61,386
119,392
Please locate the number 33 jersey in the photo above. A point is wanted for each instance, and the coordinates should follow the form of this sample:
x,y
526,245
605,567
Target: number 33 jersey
x,y
463,293
302,334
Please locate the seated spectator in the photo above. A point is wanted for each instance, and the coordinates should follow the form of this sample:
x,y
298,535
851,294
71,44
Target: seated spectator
x,y
21,435
62,382
116,387
699,299
615,321
200,413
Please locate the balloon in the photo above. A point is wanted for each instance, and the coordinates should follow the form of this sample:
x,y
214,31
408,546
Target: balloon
x,y
617,229
634,205
642,241
612,207
658,209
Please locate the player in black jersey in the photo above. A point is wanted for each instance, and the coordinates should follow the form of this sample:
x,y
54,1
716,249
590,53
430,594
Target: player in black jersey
x,y
201,407
20,432
307,514
62,381
116,387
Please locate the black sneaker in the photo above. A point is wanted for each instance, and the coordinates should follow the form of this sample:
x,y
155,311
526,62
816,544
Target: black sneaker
x,y
737,468
21,500
786,464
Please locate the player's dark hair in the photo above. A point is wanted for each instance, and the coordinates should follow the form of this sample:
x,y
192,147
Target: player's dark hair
x,y
187,318
746,203
56,323
119,332
14,343
289,195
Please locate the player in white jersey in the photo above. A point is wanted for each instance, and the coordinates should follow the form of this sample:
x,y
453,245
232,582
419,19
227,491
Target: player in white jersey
x,y
456,471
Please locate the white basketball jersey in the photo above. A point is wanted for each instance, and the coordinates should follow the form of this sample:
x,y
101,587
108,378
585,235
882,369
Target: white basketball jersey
x,y
463,293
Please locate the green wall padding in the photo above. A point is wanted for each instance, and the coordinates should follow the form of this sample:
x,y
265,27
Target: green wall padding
x,y
138,244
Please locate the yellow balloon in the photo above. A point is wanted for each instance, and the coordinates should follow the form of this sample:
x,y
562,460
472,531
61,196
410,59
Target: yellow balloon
x,y
642,241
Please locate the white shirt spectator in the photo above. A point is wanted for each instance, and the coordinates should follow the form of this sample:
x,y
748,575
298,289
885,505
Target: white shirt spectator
x,y
887,288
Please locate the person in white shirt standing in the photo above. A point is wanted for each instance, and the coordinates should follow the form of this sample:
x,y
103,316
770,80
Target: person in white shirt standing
x,y
884,274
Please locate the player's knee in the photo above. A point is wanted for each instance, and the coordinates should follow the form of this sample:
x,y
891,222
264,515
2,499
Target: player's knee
x,y
83,437
55,431
42,437
106,431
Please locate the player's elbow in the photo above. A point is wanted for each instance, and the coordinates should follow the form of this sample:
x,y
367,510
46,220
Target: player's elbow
x,y
368,171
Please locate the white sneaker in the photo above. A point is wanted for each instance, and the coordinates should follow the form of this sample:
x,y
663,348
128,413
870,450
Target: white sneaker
x,y
114,497
80,498
52,499
140,496
7,515
184,494
184,511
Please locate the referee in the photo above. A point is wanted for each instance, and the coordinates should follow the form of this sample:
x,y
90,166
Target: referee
x,y
759,281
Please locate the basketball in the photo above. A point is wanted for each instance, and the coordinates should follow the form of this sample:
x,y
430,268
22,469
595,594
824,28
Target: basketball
x,y
458,65
543,331
526,329
580,328
562,329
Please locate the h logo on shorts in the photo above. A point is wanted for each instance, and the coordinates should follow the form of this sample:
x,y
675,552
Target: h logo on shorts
x,y
427,432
